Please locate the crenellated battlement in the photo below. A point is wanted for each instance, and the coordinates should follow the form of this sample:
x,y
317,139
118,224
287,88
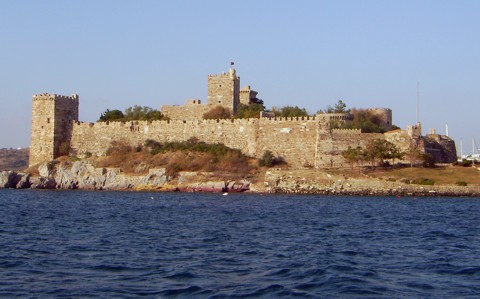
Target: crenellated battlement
x,y
335,116
167,123
53,97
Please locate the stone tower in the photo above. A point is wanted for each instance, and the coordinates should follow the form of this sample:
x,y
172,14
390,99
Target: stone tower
x,y
52,120
224,90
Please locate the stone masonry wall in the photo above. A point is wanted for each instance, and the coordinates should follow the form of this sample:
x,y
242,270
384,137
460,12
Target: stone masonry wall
x,y
331,144
52,119
292,139
190,112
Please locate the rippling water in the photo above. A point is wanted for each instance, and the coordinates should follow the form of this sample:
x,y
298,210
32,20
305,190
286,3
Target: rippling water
x,y
125,244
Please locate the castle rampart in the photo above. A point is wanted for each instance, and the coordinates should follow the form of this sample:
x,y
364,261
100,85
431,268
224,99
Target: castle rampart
x,y
293,139
305,141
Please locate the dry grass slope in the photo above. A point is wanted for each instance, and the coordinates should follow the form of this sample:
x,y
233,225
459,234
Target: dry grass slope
x,y
13,159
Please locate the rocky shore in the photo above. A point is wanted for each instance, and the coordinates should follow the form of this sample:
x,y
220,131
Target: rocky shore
x,y
84,176
303,182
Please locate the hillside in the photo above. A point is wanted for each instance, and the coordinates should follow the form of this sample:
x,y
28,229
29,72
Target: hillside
x,y
13,159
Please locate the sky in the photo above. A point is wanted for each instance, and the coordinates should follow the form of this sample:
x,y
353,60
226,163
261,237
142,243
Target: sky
x,y
115,54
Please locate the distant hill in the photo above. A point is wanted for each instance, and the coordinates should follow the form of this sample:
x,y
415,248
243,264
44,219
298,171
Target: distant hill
x,y
13,159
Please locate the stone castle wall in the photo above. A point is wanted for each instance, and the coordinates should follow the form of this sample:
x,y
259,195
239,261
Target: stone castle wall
x,y
189,111
331,144
292,139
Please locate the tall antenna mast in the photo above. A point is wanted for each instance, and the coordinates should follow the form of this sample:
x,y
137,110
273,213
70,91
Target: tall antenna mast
x,y
418,99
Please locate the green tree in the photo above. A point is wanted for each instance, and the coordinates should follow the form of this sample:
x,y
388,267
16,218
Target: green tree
x,y
218,112
250,111
132,113
366,121
289,111
340,107
142,113
111,115
381,150
353,155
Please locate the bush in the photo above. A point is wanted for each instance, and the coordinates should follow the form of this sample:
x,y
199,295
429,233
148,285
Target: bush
x,y
132,113
118,147
250,111
423,181
289,111
218,112
111,115
218,150
267,159
64,149
464,163
461,183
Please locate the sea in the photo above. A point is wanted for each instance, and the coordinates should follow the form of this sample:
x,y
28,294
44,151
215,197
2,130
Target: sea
x,y
99,244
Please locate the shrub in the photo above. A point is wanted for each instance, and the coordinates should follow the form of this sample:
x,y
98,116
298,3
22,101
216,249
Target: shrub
x,y
111,115
218,112
88,154
267,159
464,163
250,111
118,147
423,181
289,111
461,183
74,158
64,149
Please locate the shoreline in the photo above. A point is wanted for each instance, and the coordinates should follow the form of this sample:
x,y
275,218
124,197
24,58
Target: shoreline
x,y
280,181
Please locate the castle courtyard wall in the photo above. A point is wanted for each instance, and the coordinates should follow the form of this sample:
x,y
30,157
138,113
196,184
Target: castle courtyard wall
x,y
292,139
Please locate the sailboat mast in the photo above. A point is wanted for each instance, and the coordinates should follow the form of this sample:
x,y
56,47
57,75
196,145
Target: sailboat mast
x,y
461,149
473,152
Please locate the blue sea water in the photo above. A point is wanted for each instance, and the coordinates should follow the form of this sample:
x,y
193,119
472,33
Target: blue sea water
x,y
127,245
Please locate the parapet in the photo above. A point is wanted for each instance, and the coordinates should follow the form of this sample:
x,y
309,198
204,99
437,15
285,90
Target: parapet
x,y
335,116
48,96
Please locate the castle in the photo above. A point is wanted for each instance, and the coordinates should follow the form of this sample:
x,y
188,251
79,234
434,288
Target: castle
x,y
223,90
301,142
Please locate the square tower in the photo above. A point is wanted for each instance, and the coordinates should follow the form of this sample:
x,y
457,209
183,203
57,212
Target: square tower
x,y
224,90
52,122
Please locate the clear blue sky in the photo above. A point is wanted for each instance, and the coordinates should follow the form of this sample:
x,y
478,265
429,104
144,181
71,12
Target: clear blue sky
x,y
116,54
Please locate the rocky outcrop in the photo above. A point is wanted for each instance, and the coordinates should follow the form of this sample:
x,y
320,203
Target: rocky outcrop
x,y
440,147
315,182
9,179
83,175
